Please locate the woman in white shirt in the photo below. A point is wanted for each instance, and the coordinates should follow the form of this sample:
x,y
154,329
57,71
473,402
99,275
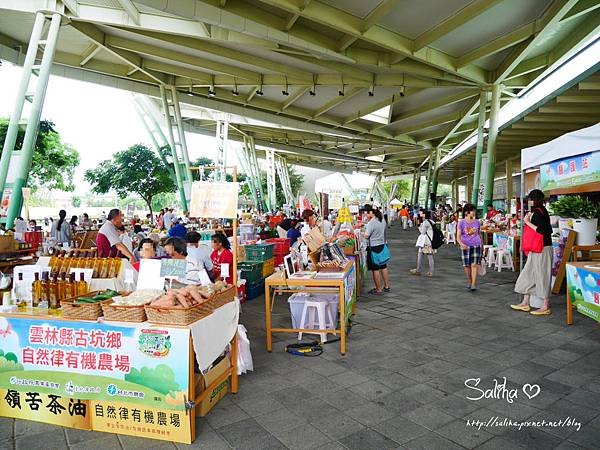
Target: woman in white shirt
x,y
61,230
424,243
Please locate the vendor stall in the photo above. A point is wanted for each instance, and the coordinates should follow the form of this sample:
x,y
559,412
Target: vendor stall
x,y
569,164
127,378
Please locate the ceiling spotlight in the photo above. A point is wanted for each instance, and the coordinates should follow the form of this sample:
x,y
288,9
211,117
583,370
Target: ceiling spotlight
x,y
259,88
402,91
372,87
312,92
371,93
235,92
211,92
189,92
341,93
285,92
261,93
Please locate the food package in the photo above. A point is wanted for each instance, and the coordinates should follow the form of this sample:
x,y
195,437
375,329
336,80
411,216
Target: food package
x,y
137,298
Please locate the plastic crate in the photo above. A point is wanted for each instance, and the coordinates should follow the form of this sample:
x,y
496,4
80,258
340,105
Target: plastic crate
x,y
259,252
251,271
268,267
254,290
282,246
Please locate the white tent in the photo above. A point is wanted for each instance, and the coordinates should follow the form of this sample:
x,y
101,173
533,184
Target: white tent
x,y
574,143
395,202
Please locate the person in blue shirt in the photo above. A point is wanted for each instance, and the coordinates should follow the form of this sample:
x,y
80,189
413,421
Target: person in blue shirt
x,y
177,230
294,233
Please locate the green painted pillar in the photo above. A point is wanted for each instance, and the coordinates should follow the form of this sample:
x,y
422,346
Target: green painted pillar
x,y
428,178
415,197
33,123
479,148
436,171
15,117
414,182
491,146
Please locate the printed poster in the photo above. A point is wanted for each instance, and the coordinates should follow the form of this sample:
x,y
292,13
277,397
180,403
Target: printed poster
x,y
583,284
349,292
213,199
95,361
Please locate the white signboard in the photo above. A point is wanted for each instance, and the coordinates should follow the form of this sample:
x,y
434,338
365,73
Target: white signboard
x,y
213,199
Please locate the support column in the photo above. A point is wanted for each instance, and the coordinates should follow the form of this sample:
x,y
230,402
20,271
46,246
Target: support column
x,y
491,145
415,198
15,117
174,155
271,192
414,182
182,140
479,148
468,187
428,179
509,183
34,118
436,170
454,194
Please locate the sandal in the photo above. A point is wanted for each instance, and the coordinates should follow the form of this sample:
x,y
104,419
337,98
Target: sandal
x,y
524,308
375,292
430,274
537,312
386,289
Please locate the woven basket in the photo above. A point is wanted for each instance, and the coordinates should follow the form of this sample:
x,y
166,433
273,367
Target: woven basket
x,y
81,311
176,316
122,313
185,316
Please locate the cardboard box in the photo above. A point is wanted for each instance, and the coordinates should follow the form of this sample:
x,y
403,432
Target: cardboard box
x,y
218,392
7,244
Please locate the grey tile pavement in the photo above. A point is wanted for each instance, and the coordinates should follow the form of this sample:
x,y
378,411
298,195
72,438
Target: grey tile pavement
x,y
402,382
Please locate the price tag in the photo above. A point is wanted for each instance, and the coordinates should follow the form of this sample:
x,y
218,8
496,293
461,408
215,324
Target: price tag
x,y
225,270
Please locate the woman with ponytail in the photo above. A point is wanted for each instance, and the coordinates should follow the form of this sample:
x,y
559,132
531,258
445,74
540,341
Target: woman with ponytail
x,y
61,230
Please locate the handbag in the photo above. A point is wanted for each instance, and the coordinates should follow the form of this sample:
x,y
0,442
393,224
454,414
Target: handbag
x,y
532,241
482,269
381,258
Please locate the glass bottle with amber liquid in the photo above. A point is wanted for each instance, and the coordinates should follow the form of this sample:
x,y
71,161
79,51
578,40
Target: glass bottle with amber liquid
x,y
62,281
53,293
46,287
104,264
82,286
71,286
36,291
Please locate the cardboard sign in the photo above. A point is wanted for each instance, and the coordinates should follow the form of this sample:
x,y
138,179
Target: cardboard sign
x,y
214,199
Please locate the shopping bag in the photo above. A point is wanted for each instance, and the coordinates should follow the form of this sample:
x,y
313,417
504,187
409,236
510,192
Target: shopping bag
x,y
244,356
482,269
381,258
421,240
532,241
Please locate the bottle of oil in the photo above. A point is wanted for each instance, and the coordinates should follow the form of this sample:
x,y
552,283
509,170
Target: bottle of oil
x,y
103,264
53,293
53,259
19,291
82,286
61,287
36,291
97,267
46,287
116,267
71,286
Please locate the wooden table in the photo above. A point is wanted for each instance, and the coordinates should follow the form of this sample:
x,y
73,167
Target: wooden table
x,y
281,284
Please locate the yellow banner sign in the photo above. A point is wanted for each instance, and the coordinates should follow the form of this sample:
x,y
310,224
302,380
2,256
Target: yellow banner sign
x,y
214,199
142,421
54,409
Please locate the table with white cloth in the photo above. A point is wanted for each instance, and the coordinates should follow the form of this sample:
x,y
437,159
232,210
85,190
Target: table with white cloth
x,y
119,377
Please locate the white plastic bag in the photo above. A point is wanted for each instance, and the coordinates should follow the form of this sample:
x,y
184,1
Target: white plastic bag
x,y
244,357
421,240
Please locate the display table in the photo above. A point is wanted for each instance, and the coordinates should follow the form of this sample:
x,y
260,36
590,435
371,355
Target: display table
x,y
345,286
126,378
583,289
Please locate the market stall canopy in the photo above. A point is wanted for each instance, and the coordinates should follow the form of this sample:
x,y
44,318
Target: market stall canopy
x,y
377,82
395,202
578,142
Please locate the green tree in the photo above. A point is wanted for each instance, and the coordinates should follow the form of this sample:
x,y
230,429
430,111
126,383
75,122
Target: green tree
x,y
403,190
53,164
76,201
135,170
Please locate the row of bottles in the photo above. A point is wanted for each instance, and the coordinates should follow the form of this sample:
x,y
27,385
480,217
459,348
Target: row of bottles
x,y
102,267
54,289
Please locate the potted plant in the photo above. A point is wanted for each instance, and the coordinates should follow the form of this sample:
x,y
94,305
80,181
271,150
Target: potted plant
x,y
584,216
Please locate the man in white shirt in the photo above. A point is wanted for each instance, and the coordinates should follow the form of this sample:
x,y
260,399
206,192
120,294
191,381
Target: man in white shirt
x,y
199,252
168,219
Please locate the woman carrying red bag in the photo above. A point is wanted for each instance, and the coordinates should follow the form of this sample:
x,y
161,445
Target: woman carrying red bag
x,y
536,277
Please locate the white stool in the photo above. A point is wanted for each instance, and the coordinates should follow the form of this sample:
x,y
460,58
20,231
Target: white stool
x,y
451,233
489,251
325,318
504,261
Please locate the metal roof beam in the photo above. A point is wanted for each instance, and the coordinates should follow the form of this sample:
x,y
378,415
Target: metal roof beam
x,y
453,22
456,98
497,45
337,101
551,18
89,53
131,10
347,23
581,8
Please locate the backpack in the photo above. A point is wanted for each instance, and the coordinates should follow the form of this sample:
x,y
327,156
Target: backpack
x,y
438,238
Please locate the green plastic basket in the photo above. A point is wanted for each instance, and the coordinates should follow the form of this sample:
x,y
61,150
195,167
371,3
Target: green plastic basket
x,y
259,252
251,271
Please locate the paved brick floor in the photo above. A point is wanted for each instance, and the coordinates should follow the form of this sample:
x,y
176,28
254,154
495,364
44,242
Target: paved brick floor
x,y
401,384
